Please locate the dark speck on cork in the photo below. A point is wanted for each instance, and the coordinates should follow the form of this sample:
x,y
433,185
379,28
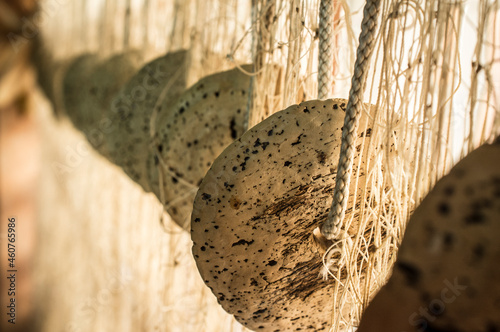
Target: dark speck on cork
x,y
242,242
478,251
321,157
492,327
368,133
232,127
411,273
427,327
448,240
449,190
272,262
298,140
235,203
443,208
475,217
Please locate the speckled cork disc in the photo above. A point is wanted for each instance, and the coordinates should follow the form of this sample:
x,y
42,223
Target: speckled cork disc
x,y
76,85
256,210
192,132
110,75
89,86
129,141
447,271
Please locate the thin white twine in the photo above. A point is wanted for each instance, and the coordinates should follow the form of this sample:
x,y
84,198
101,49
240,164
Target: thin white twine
x,y
255,49
325,63
331,228
259,39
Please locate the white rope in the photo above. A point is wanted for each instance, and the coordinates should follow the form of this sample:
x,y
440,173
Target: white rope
x,y
325,63
331,227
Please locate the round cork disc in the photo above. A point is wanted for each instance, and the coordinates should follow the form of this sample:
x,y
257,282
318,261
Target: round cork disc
x,y
75,87
192,132
89,86
447,268
255,212
129,136
110,75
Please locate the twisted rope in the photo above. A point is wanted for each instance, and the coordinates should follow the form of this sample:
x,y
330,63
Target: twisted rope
x,y
325,63
331,227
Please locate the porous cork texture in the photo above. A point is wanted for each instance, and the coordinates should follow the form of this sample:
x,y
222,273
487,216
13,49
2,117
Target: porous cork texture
x,y
129,134
256,210
192,132
89,85
76,88
449,257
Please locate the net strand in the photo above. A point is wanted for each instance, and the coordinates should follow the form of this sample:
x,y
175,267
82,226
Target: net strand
x,y
331,227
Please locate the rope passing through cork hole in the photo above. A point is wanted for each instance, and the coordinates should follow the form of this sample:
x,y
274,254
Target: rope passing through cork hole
x,y
330,231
